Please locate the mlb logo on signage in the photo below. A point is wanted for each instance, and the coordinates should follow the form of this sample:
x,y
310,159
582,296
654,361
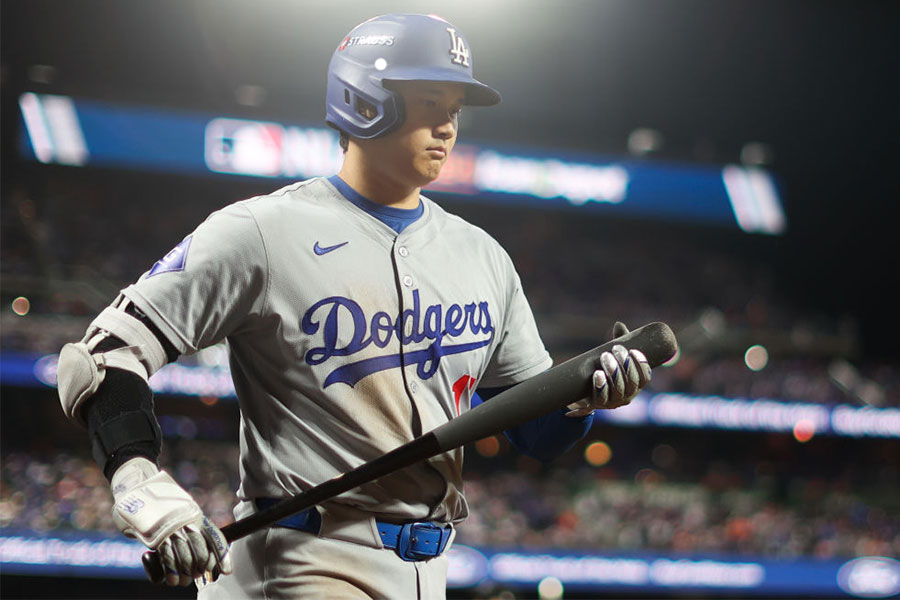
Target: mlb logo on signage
x,y
244,147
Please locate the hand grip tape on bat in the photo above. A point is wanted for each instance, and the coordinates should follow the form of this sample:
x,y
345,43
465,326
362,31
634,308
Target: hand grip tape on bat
x,y
542,394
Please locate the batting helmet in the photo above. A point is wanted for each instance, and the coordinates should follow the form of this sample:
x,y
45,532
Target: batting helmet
x,y
395,48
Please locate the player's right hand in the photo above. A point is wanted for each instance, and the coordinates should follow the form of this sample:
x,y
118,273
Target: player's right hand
x,y
622,374
152,507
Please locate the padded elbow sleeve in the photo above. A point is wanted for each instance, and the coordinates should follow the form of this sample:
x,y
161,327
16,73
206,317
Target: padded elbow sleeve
x,y
138,347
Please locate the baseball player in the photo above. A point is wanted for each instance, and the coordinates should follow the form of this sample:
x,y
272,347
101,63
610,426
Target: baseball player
x,y
358,315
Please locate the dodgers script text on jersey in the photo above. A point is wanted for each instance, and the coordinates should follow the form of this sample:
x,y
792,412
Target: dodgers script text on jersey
x,y
435,324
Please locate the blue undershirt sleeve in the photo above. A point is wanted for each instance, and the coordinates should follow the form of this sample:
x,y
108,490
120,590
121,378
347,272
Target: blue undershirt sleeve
x,y
544,438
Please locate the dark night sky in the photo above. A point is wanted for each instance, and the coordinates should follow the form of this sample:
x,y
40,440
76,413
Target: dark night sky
x,y
817,81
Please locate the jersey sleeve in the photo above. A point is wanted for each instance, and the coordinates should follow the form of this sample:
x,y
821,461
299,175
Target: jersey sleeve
x,y
210,285
520,353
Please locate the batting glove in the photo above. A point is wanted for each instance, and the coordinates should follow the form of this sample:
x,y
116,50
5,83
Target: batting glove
x,y
622,375
152,507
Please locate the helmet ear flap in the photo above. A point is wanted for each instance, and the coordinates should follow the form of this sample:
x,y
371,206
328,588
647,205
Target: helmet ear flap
x,y
363,110
369,111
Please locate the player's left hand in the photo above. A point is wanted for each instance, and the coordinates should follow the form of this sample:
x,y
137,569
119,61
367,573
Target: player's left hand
x,y
622,375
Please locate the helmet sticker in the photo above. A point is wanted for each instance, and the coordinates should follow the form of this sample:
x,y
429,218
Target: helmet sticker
x,y
458,49
366,40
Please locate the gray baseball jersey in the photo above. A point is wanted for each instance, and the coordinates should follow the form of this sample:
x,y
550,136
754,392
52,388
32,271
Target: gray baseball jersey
x,y
346,340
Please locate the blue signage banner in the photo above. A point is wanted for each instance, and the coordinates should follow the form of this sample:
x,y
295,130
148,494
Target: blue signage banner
x,y
803,419
866,577
91,555
79,132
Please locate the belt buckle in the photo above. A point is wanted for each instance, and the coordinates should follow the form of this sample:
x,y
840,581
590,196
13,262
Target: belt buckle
x,y
420,541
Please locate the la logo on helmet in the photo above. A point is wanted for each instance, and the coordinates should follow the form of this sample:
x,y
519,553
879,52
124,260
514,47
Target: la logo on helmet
x,y
458,49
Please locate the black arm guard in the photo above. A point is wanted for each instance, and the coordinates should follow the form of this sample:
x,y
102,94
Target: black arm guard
x,y
120,421
120,418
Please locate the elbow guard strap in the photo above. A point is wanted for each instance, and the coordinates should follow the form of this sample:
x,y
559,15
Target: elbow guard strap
x,y
137,430
131,330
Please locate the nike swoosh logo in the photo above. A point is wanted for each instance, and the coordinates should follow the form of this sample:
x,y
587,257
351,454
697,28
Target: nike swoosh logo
x,y
320,250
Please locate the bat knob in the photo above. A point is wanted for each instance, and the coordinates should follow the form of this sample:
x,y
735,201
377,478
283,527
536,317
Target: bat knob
x,y
619,329
153,567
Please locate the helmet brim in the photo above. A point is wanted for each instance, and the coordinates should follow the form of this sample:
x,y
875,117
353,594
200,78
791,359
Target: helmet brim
x,y
477,93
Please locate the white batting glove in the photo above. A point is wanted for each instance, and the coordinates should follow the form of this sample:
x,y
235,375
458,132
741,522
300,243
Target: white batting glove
x,y
624,373
152,507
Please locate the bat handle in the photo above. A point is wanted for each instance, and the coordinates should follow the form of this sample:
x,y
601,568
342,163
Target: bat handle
x,y
156,572
153,567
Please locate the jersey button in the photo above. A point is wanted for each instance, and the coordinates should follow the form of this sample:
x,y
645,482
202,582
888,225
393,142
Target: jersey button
x,y
413,387
407,280
402,251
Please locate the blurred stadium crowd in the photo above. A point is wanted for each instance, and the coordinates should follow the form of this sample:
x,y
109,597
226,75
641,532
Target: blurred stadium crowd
x,y
530,506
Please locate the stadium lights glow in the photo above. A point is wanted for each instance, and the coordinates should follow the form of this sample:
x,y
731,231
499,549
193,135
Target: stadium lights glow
x,y
756,154
644,141
712,320
44,74
250,95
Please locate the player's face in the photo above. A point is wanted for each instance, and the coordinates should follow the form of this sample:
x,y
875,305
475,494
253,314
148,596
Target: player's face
x,y
415,152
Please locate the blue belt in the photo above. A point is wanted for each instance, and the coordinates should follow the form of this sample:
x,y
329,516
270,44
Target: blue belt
x,y
411,541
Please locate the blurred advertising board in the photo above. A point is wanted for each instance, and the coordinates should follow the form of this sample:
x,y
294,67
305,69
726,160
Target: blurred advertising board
x,y
83,133
96,555
210,377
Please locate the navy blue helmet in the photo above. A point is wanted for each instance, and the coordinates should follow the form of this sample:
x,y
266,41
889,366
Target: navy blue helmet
x,y
395,48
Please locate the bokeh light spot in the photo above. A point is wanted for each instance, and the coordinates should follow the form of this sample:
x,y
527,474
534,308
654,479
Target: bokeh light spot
x,y
550,588
756,358
804,430
21,306
488,447
598,454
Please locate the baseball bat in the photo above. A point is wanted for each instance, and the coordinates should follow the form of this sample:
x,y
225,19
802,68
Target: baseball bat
x,y
551,390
